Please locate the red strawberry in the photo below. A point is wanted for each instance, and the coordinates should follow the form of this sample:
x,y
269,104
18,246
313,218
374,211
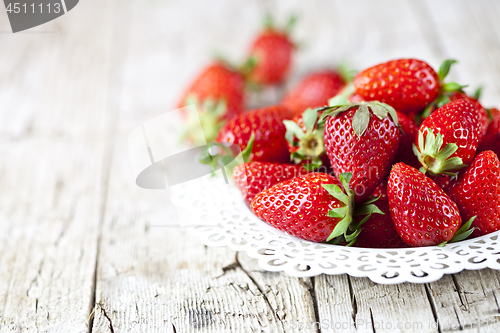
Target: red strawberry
x,y
379,231
380,191
405,152
254,177
304,136
492,139
484,121
494,126
313,207
355,98
313,91
408,85
270,56
267,124
300,206
361,139
448,139
491,142
445,182
422,212
218,82
218,93
477,193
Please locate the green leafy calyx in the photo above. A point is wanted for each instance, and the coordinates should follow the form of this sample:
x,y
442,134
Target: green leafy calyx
x,y
224,154
361,118
477,93
309,143
463,233
347,73
347,229
210,117
435,159
446,89
444,69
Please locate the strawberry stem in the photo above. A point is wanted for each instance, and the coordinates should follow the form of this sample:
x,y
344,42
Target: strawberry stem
x,y
310,144
433,158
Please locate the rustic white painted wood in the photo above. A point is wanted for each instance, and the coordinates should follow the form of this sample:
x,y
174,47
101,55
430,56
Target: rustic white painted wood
x,y
53,135
69,208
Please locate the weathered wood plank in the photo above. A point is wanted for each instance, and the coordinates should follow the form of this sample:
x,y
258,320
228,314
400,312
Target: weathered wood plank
x,y
335,303
384,308
291,299
159,279
467,300
49,220
53,130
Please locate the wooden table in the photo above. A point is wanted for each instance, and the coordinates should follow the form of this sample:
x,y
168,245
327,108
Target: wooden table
x,y
79,249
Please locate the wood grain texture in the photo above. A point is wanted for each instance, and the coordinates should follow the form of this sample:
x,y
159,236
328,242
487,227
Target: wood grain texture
x,y
55,131
82,249
52,134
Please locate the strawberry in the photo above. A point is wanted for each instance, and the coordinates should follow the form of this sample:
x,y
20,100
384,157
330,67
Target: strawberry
x,y
422,212
408,85
313,91
477,193
266,123
445,182
448,139
494,126
405,152
355,98
254,177
483,114
380,191
491,141
312,207
379,231
361,139
304,136
218,93
270,56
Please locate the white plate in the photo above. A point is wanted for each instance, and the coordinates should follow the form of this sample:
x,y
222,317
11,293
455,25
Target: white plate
x,y
225,220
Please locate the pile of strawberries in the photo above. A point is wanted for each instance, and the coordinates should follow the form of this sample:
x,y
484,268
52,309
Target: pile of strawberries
x,y
395,157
